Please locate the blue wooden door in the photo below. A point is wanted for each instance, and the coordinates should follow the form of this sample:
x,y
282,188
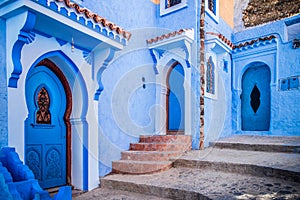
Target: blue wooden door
x,y
45,129
175,100
255,99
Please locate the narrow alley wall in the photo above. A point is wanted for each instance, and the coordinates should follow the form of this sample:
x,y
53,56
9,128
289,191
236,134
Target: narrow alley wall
x,y
3,87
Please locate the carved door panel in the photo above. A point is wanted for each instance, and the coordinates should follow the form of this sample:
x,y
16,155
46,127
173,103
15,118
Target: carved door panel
x,y
45,129
255,99
175,100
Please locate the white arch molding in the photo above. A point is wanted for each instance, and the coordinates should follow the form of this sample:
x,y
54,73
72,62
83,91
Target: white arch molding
x,y
165,53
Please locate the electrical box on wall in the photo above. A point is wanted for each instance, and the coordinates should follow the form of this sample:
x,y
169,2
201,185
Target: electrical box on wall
x,y
294,82
290,83
284,84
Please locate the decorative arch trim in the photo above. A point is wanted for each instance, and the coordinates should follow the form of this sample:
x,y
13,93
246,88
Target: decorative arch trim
x,y
26,36
166,51
171,68
53,67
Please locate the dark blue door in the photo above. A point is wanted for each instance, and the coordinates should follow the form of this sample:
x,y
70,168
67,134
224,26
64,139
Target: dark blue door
x,y
255,99
175,100
45,129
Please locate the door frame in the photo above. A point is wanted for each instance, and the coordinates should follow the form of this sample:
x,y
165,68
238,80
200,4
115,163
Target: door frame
x,y
170,132
257,66
55,69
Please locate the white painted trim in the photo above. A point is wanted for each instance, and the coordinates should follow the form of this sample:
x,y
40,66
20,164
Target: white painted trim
x,y
165,11
218,50
84,116
216,76
214,16
243,59
15,7
167,52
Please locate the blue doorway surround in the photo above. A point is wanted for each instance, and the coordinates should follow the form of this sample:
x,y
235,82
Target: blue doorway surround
x,y
175,99
47,127
255,98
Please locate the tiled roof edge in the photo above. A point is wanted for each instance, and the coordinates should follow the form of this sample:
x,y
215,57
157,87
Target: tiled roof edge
x,y
165,36
248,43
223,38
97,18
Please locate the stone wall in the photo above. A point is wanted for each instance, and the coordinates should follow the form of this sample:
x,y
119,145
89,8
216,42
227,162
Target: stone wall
x,y
3,88
263,11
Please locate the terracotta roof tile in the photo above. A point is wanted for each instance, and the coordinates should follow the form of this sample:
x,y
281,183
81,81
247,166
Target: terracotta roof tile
x,y
223,38
96,18
262,39
165,36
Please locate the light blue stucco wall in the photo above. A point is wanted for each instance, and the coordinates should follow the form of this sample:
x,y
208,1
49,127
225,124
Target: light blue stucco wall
x,y
3,87
188,17
126,109
285,114
218,117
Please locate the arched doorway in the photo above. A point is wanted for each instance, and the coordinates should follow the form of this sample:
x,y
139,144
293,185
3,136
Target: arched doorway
x,y
255,98
47,127
175,102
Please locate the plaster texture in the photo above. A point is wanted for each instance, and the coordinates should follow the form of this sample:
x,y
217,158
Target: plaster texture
x,y
283,65
3,88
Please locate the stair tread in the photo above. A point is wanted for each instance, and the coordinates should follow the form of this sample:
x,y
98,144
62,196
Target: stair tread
x,y
143,162
151,136
286,161
149,143
151,152
261,140
206,183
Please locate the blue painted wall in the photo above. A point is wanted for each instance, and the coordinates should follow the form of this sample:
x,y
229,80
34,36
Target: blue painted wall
x,y
126,106
3,86
127,109
285,114
218,119
188,17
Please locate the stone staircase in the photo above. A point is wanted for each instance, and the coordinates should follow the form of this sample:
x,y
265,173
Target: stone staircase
x,y
152,154
238,167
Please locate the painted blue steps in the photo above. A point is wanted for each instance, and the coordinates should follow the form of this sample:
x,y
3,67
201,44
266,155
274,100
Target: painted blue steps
x,y
17,181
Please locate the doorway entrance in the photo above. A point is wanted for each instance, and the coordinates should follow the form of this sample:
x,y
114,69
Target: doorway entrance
x,y
47,127
255,98
175,101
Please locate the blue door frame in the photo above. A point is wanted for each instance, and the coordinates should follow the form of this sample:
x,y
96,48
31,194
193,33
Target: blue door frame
x,y
46,127
255,99
175,100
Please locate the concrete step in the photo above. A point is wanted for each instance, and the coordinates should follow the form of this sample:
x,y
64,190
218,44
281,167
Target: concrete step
x,y
166,139
150,155
280,165
188,183
140,167
160,147
259,143
115,194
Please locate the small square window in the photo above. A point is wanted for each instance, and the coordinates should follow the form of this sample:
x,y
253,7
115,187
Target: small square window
x,y
212,9
212,6
171,3
168,6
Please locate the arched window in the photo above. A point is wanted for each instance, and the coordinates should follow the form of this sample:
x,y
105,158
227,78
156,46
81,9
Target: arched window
x,y
210,76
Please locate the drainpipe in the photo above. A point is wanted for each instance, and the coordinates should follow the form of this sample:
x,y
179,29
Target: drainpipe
x,y
202,72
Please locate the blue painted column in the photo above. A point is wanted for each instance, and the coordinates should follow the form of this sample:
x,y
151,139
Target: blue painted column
x,y
3,86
